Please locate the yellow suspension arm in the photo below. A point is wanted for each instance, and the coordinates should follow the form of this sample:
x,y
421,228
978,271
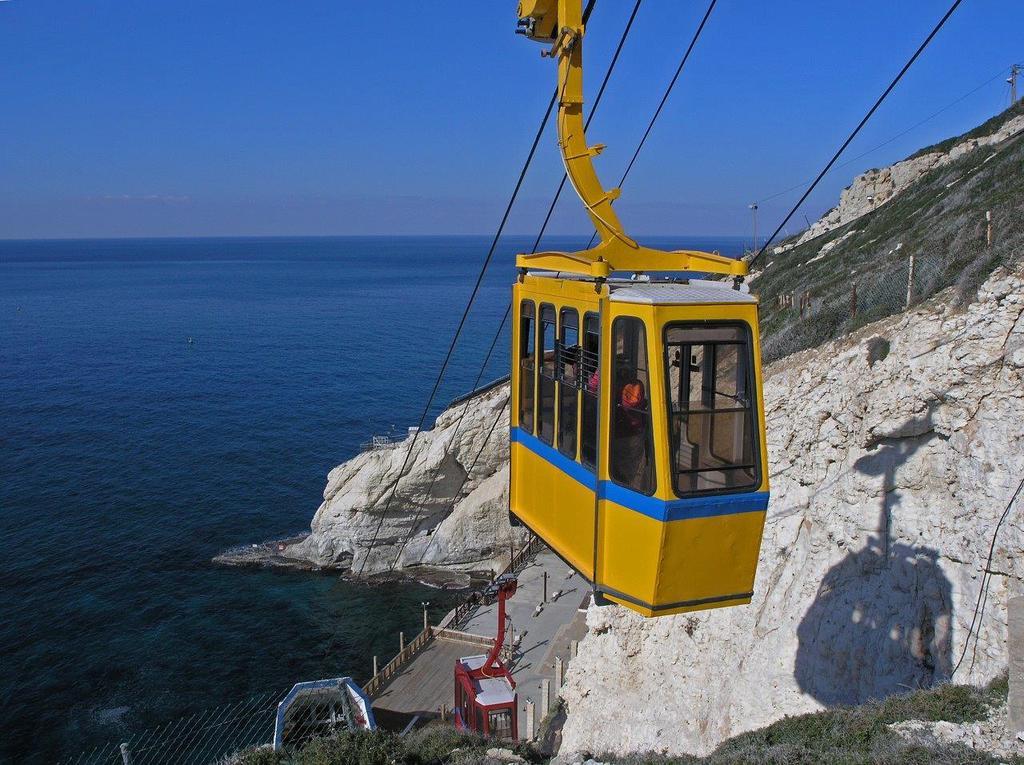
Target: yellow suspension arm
x,y
559,23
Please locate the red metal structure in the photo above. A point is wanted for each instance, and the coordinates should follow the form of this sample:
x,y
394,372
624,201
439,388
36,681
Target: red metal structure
x,y
485,693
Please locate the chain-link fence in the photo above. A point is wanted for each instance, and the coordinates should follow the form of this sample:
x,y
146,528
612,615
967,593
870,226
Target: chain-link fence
x,y
807,316
200,739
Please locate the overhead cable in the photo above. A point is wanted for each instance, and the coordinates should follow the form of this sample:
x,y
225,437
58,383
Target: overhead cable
x,y
860,125
888,141
465,315
664,99
501,326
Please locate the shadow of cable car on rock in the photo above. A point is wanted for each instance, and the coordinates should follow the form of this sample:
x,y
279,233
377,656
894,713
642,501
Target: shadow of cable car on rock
x,y
880,623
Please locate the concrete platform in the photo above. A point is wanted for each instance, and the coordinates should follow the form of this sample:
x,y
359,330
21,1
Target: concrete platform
x,y
427,682
546,635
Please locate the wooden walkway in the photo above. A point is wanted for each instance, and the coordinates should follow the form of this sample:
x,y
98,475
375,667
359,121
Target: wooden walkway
x,y
427,682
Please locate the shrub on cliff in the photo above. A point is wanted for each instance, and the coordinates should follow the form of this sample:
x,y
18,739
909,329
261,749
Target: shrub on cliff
x,y
432,745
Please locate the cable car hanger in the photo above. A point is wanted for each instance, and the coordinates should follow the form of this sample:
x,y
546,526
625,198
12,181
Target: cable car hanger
x,y
560,23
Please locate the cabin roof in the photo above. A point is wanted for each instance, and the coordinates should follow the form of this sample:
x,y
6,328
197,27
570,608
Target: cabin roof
x,y
656,291
474,662
489,690
670,293
494,690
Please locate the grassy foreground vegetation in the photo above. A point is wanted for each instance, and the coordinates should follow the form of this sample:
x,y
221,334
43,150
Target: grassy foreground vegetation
x,y
846,735
433,745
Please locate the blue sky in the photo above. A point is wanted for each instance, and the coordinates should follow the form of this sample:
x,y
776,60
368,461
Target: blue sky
x,y
218,117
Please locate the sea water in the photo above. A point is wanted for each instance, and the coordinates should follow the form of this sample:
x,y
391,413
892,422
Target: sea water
x,y
162,400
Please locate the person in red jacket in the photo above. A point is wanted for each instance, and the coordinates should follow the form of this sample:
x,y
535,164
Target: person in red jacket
x,y
630,458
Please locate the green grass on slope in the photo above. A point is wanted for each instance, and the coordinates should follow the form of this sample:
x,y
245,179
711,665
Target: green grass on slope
x,y
857,735
986,128
846,735
433,745
940,219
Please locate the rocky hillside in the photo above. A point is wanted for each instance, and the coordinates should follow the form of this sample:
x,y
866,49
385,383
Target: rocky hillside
x,y
853,266
893,453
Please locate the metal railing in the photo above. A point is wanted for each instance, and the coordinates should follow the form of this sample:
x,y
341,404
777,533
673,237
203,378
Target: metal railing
x,y
464,637
450,624
479,391
393,667
520,559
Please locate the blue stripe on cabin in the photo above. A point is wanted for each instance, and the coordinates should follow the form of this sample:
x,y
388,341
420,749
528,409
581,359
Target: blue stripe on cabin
x,y
707,506
570,467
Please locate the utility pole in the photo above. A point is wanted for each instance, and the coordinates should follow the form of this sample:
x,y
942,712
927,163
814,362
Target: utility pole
x,y
753,210
1015,71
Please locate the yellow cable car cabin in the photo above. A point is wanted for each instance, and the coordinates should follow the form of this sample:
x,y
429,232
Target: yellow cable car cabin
x,y
637,436
637,429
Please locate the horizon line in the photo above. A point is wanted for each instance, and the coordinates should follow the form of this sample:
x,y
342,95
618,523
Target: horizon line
x,y
174,237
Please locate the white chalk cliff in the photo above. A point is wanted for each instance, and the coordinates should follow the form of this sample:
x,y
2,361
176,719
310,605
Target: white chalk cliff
x,y
893,453
450,510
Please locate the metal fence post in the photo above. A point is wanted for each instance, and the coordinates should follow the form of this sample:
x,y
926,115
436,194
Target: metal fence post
x,y
574,648
374,667
401,642
910,281
558,672
545,695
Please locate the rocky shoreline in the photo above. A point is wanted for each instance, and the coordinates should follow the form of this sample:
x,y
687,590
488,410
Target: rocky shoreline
x,y
269,554
273,554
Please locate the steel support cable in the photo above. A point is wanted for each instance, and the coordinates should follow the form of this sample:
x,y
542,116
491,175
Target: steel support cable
x,y
639,148
465,313
985,579
860,125
664,100
483,445
888,141
501,326
451,443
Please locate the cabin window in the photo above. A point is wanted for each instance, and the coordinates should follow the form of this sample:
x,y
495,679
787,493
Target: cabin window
x,y
527,381
568,380
546,364
500,724
710,407
632,449
590,379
